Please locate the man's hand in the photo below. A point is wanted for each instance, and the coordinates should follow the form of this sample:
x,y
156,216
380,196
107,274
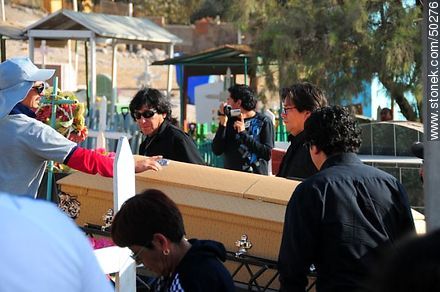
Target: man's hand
x,y
147,163
239,124
222,118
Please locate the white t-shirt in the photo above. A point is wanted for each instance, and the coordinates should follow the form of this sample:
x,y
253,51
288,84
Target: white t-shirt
x,y
25,146
42,250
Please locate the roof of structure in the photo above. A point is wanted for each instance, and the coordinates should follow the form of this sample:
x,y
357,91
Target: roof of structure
x,y
106,26
11,32
213,61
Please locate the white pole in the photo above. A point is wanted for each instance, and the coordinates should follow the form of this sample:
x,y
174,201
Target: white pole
x,y
100,143
43,53
75,8
124,188
170,71
31,48
114,77
3,11
69,52
93,69
130,14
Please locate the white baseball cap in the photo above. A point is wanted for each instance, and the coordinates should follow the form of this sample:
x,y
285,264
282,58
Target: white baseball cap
x,y
17,75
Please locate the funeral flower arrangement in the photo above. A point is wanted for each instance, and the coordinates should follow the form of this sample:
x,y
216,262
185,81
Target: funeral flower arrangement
x,y
69,119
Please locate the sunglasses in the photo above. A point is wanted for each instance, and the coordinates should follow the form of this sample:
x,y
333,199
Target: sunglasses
x,y
39,88
136,256
146,114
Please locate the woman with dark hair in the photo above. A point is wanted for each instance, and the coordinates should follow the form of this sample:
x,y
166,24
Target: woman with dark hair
x,y
152,112
151,225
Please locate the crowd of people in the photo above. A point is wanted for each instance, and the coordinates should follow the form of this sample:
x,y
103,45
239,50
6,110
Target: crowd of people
x,y
343,220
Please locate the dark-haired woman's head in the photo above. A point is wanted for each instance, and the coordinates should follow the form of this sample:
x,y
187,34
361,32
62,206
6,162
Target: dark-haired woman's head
x,y
149,108
149,224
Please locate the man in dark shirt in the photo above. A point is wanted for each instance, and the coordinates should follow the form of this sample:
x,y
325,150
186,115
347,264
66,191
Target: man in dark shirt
x,y
152,113
340,218
299,101
246,140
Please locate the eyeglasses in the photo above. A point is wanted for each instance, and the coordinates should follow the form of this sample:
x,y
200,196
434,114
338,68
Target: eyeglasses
x,y
146,114
285,110
136,256
39,88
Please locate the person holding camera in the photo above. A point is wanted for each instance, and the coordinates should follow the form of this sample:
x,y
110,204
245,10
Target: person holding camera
x,y
244,136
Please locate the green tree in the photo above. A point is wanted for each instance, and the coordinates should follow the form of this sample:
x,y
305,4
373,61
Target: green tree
x,y
210,8
339,44
174,11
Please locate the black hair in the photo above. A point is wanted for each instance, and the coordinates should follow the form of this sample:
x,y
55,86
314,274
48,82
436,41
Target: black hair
x,y
145,214
153,99
245,94
304,96
385,110
333,130
384,113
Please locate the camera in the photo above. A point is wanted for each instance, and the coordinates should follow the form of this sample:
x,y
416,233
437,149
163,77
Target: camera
x,y
231,113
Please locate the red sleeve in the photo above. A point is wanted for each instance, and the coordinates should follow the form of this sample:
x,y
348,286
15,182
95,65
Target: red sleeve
x,y
91,162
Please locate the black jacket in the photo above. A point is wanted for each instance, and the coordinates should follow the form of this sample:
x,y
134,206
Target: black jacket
x,y
248,151
297,163
172,143
339,220
201,270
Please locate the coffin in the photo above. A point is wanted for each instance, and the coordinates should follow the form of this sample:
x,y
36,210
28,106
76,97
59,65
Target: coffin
x,y
216,203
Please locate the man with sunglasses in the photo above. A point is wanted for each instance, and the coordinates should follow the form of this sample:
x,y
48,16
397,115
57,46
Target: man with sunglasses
x,y
27,143
299,101
152,113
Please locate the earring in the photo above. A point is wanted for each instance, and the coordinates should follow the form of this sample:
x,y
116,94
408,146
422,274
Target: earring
x,y
166,252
